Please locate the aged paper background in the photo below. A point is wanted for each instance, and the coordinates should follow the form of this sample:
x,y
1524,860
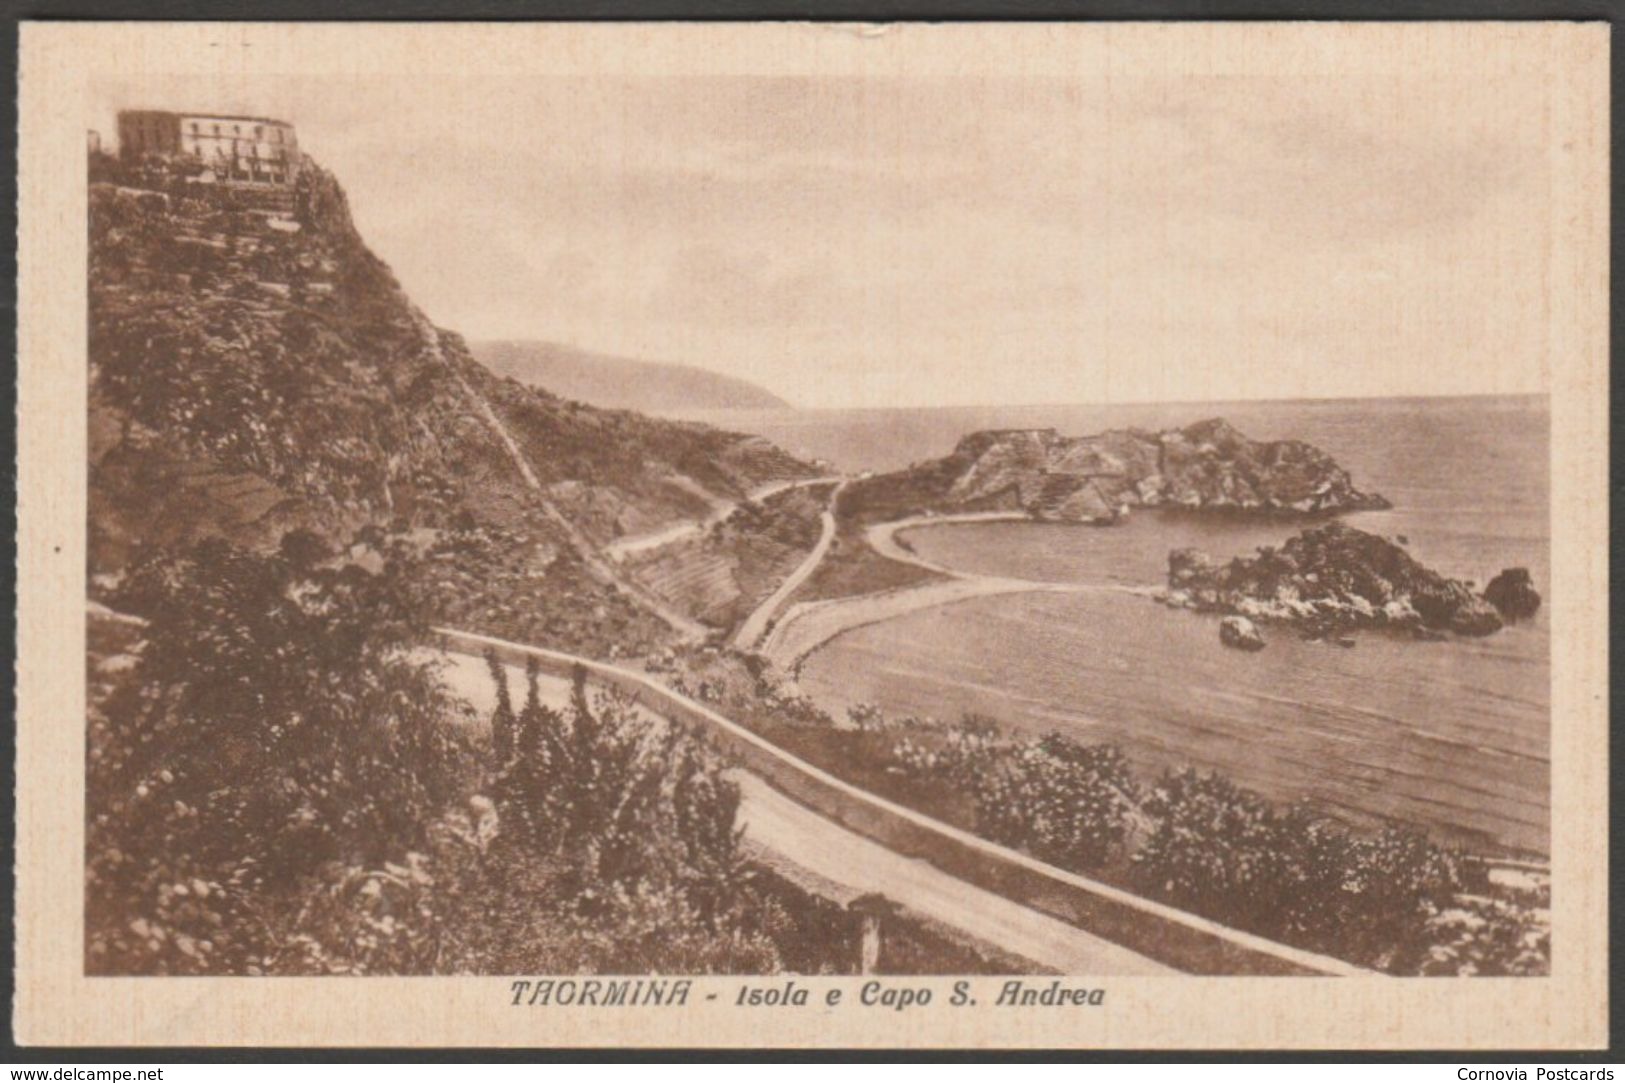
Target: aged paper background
x,y
56,1004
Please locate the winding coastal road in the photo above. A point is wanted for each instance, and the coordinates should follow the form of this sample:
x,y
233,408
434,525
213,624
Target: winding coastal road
x,y
798,816
751,631
807,626
621,548
785,832
776,824
860,862
867,843
603,569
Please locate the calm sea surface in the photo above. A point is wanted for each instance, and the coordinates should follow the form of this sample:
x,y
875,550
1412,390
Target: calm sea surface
x,y
1450,736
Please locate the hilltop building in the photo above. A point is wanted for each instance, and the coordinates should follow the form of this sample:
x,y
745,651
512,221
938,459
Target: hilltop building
x,y
244,150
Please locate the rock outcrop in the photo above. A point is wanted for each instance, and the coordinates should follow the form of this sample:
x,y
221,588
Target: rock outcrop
x,y
1208,466
1241,634
1327,580
1513,594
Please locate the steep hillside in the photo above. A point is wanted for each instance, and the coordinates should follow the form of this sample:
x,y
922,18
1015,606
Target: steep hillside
x,y
621,383
1207,466
257,369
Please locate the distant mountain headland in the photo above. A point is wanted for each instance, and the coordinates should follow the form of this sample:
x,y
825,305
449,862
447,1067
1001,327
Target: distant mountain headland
x,y
621,383
1209,465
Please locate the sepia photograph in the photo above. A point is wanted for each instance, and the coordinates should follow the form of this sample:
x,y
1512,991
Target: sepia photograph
x,y
680,519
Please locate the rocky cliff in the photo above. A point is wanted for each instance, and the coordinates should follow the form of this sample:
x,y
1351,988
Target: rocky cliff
x,y
255,368
1206,466
1329,579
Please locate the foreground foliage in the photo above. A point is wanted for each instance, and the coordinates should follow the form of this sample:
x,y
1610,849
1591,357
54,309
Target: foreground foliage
x,y
271,731
1389,899
277,785
1392,900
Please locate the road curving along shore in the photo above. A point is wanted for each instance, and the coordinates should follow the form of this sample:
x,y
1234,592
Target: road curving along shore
x,y
754,626
806,626
1124,929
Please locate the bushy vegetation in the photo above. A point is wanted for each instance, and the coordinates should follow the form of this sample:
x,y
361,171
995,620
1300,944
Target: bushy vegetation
x,y
636,803
276,785
272,733
1069,804
1389,899
1223,851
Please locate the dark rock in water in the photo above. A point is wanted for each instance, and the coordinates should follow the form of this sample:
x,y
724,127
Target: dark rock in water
x,y
1241,634
1451,604
1329,580
1477,618
1513,594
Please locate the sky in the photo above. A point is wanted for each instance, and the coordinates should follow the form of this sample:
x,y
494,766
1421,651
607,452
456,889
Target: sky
x,y
851,241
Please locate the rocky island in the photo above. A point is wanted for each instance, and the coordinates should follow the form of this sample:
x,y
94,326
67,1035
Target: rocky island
x,y
1209,465
1513,594
1334,578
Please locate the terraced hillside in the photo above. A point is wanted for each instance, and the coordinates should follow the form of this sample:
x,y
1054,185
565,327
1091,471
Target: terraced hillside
x,y
720,575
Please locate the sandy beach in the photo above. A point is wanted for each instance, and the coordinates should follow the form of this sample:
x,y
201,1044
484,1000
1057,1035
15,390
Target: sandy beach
x,y
806,626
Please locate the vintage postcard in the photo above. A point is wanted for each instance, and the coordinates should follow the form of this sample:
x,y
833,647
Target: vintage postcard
x,y
974,536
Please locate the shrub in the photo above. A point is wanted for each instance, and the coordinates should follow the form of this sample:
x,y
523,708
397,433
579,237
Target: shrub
x,y
273,724
1067,803
1489,937
504,726
636,813
1226,852
1214,846
1391,899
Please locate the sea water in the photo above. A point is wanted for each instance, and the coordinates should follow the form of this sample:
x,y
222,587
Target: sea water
x,y
1450,736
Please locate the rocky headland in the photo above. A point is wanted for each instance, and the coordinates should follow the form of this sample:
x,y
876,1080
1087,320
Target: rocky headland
x,y
1335,578
1209,465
